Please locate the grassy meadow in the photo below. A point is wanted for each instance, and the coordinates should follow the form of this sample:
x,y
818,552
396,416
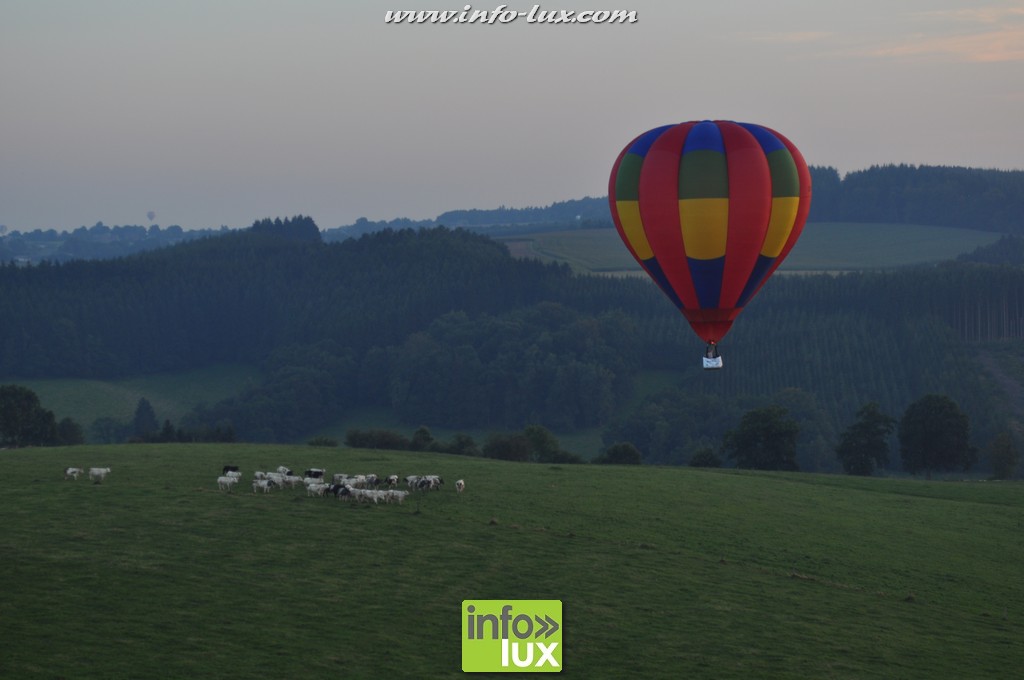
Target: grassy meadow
x,y
663,572
823,246
172,395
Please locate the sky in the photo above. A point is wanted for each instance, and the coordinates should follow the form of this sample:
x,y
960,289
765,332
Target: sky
x,y
214,113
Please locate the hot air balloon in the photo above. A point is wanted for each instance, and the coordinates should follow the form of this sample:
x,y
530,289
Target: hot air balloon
x,y
710,209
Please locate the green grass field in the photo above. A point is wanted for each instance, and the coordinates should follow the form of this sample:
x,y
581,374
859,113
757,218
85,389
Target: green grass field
x,y
824,246
663,572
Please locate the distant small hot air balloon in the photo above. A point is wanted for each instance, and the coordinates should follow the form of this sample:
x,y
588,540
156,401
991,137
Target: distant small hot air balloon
x,y
710,209
151,215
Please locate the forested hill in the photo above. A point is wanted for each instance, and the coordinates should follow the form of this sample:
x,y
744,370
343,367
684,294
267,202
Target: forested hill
x,y
241,295
445,328
969,198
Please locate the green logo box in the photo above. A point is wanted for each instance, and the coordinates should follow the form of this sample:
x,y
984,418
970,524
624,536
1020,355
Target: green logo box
x,y
511,636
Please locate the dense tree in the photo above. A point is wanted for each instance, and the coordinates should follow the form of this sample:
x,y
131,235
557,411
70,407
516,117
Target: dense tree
x,y
544,445
168,433
462,444
422,439
1003,456
69,432
670,426
865,443
705,457
764,440
145,424
23,420
514,446
621,453
934,436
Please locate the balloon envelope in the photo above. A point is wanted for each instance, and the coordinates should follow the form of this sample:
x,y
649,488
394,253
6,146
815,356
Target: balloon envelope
x,y
710,209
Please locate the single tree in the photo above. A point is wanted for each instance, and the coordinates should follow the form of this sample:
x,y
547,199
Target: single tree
x,y
764,440
865,443
463,444
1004,456
622,453
933,434
508,446
70,433
144,424
23,420
168,433
543,443
546,447
422,439
705,457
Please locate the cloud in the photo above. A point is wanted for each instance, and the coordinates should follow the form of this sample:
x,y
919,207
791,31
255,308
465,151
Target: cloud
x,y
983,15
978,35
1003,44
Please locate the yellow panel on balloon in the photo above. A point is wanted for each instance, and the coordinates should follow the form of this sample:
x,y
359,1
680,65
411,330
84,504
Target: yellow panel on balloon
x,y
633,226
705,225
780,225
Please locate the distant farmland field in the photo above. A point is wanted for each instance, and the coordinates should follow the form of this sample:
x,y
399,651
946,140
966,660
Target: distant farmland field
x,y
172,395
826,246
662,572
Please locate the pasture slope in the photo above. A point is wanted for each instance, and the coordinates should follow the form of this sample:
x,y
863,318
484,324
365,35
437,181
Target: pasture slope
x,y
171,395
823,246
663,572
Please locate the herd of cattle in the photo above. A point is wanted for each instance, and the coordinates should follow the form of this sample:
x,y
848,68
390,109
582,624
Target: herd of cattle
x,y
364,488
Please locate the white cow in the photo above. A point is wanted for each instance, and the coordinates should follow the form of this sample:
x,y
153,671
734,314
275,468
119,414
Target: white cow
x,y
265,485
97,475
317,489
291,481
226,482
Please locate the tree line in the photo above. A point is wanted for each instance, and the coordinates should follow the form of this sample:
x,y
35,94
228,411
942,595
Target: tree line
x,y
970,198
99,241
933,436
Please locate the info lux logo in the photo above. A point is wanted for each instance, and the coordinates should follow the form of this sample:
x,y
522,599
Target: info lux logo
x,y
512,636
